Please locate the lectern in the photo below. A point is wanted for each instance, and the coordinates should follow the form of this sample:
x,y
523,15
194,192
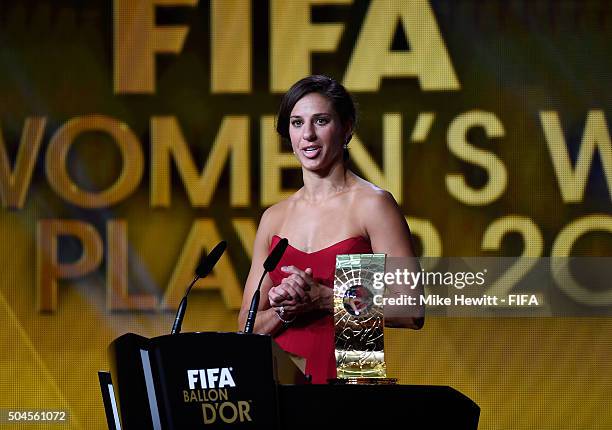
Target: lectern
x,y
199,380
235,380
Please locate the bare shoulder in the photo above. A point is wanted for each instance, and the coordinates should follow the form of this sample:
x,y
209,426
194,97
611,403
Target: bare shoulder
x,y
274,216
382,219
277,211
373,199
271,216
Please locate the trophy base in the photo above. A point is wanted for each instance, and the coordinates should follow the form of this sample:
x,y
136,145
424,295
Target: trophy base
x,y
363,381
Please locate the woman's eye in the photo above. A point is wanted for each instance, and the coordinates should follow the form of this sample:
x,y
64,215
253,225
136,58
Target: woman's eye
x,y
296,122
322,121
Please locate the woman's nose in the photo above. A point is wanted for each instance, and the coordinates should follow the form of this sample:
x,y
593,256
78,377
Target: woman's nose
x,y
309,132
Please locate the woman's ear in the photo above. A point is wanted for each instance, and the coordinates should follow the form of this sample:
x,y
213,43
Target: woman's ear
x,y
348,132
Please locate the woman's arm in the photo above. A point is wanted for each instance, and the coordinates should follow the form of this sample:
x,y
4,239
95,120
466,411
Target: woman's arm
x,y
389,234
267,321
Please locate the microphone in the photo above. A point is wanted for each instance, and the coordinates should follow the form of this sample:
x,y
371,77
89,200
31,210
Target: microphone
x,y
204,268
275,256
269,265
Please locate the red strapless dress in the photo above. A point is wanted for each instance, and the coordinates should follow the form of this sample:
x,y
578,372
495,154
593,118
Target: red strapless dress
x,y
312,335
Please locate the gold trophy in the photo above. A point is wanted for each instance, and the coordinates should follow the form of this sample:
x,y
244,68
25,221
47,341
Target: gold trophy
x,y
359,321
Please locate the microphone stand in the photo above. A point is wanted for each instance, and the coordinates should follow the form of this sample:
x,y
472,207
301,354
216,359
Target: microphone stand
x,y
180,313
269,265
250,322
203,269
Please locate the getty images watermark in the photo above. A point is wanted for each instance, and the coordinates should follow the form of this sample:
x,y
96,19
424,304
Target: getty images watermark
x,y
405,278
489,286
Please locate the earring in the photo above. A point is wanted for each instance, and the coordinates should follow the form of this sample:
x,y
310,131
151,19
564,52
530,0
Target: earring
x,y
347,140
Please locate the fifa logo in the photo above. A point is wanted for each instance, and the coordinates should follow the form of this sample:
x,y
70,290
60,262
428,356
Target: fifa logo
x,y
209,387
210,378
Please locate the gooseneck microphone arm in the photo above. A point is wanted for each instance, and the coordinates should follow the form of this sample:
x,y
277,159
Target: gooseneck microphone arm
x,y
204,268
180,313
250,322
269,265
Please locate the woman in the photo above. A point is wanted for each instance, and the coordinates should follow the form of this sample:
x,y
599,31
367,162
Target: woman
x,y
335,212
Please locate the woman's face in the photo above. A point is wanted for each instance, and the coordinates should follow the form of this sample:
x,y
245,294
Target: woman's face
x,y
316,133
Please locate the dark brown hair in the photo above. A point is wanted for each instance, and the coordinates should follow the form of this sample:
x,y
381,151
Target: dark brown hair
x,y
342,102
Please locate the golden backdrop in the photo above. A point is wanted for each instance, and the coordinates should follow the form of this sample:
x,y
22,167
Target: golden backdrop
x,y
136,134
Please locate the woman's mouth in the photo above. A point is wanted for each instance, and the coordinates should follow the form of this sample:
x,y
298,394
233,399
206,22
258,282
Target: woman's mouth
x,y
311,151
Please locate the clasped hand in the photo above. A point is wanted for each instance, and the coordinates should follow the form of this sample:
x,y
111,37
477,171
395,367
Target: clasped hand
x,y
298,292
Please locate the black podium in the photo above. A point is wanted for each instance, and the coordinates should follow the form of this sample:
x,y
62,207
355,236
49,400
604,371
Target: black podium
x,y
235,380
